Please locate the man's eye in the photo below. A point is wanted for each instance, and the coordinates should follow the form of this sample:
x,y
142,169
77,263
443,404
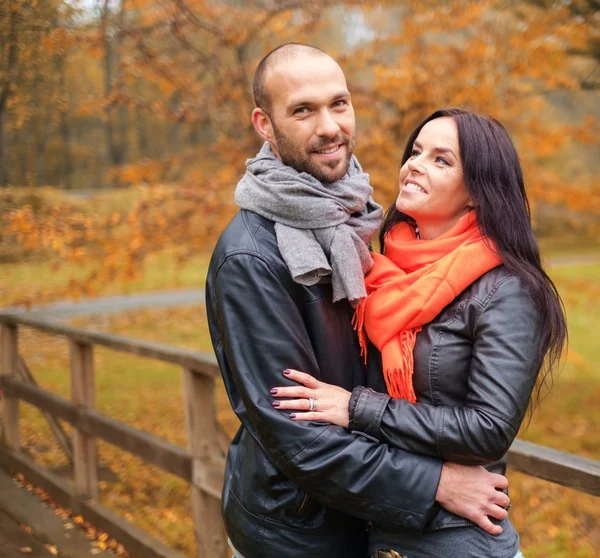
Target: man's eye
x,y
301,110
340,103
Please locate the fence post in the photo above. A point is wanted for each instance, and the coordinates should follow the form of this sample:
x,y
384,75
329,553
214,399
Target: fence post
x,y
203,445
85,468
10,405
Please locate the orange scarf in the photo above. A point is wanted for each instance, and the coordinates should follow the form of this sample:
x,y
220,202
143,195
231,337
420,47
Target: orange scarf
x,y
410,286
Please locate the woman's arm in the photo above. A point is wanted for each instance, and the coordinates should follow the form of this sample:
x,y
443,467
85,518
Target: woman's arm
x,y
504,367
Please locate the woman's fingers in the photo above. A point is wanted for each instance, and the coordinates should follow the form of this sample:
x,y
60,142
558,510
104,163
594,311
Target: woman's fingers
x,y
292,404
298,392
330,403
301,377
309,416
303,391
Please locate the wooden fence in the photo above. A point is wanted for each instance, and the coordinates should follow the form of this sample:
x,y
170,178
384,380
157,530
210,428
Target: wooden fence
x,y
202,465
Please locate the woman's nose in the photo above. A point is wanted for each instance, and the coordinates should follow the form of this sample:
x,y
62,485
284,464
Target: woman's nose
x,y
414,165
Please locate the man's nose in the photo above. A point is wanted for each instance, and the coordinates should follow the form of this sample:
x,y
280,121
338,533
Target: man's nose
x,y
326,125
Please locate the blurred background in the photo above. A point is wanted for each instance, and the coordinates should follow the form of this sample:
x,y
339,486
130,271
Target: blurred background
x,y
124,128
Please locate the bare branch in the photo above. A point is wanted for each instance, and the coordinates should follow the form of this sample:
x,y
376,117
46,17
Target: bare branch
x,y
202,24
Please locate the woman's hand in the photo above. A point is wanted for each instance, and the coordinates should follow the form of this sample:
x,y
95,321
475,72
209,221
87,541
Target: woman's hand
x,y
330,403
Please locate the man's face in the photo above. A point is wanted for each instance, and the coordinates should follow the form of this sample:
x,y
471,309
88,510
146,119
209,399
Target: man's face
x,y
312,117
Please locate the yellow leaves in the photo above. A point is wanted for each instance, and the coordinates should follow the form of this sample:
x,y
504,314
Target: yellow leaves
x,y
495,58
58,40
143,171
136,243
165,85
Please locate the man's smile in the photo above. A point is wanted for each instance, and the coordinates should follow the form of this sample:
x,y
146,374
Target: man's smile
x,y
331,152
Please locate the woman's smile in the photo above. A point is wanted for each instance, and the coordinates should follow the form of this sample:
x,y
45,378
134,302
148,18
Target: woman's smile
x,y
410,186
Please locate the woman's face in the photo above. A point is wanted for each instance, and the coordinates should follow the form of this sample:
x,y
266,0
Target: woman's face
x,y
432,189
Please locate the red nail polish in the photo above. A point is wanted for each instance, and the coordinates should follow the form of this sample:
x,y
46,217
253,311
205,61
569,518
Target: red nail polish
x,y
293,416
276,403
274,391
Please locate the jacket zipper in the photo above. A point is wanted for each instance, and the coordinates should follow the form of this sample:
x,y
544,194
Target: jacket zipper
x,y
303,503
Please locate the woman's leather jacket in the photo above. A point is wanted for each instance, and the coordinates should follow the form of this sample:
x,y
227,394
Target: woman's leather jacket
x,y
476,365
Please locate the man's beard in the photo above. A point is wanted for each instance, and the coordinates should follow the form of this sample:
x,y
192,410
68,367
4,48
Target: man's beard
x,y
298,157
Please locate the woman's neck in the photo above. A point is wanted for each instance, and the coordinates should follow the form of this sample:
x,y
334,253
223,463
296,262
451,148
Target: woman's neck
x,y
428,230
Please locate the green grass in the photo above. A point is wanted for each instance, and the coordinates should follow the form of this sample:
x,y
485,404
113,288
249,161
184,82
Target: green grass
x,y
579,286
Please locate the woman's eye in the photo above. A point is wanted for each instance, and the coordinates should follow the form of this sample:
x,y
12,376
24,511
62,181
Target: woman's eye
x,y
414,153
440,159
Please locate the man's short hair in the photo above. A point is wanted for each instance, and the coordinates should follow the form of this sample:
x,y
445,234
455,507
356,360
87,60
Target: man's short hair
x,y
285,52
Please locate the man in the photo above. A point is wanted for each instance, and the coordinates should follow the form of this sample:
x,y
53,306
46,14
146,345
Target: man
x,y
280,289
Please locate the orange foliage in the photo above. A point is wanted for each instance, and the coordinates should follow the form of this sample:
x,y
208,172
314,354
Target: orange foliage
x,y
190,63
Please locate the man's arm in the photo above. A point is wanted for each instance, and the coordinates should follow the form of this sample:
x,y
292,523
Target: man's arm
x,y
342,470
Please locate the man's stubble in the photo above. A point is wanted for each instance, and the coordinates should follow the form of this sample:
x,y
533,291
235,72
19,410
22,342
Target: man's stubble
x,y
298,157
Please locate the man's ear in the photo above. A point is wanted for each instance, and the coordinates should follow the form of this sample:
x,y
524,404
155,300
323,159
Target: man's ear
x,y
262,124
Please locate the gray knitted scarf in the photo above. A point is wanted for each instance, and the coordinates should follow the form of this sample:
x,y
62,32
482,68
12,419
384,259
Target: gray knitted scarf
x,y
323,230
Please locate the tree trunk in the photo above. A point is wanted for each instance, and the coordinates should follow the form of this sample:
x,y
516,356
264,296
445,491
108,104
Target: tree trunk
x,y
65,130
111,151
40,132
5,92
142,138
40,165
3,143
175,127
123,111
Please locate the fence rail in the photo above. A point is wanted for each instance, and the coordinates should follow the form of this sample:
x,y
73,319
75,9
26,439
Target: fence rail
x,y
201,465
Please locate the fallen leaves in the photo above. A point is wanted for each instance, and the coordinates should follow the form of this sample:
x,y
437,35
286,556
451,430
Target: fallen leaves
x,y
100,540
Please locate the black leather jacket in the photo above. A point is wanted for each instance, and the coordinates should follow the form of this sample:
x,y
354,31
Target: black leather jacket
x,y
298,489
475,367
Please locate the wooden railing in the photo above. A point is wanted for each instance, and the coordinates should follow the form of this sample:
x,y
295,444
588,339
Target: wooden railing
x,y
202,465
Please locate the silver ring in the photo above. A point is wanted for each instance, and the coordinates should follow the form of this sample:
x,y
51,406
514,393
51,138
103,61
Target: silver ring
x,y
312,404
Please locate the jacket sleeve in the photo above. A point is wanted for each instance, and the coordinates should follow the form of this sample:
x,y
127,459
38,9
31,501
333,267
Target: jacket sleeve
x,y
504,367
263,333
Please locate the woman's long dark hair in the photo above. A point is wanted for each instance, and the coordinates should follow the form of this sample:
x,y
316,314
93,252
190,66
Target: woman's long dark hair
x,y
494,180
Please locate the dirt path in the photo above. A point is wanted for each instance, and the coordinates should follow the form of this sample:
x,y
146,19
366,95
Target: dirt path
x,y
119,303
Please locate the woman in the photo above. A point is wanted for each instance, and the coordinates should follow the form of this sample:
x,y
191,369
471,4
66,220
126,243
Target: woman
x,y
464,316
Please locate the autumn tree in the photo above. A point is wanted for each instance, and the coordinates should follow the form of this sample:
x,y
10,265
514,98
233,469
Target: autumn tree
x,y
180,93
20,25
